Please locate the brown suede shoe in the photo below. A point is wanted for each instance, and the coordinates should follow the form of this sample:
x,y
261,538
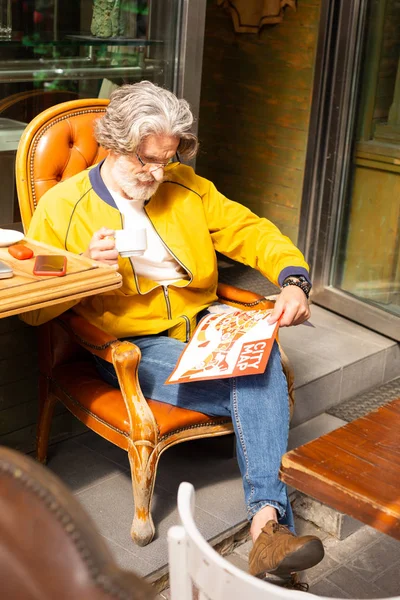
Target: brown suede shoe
x,y
278,551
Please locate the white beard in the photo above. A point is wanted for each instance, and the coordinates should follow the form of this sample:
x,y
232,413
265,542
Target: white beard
x,y
131,184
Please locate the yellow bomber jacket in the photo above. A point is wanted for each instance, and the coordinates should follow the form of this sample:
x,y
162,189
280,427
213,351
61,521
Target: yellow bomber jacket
x,y
192,219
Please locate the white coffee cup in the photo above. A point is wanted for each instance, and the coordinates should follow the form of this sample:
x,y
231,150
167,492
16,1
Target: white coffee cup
x,y
131,242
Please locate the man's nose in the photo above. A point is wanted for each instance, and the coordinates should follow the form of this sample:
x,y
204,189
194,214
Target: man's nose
x,y
158,174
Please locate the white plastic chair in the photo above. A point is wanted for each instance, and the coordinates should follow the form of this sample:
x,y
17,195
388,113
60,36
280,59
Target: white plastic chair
x,y
194,563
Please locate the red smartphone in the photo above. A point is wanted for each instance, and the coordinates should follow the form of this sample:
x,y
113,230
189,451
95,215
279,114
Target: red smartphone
x,y
50,264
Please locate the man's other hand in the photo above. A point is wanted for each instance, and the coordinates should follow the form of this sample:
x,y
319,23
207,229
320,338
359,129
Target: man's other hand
x,y
102,247
291,307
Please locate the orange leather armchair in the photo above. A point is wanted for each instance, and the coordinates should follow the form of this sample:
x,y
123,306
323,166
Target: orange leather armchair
x,y
57,144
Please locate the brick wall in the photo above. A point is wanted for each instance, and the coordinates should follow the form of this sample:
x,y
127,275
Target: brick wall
x,y
255,110
18,390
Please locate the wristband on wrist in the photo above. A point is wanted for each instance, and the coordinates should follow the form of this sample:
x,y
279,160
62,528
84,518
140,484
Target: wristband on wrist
x,y
299,281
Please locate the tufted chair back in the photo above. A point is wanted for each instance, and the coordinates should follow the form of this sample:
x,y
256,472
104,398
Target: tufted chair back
x,y
57,144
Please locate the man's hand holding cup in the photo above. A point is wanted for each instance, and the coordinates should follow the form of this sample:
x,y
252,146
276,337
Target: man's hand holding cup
x,y
131,242
106,244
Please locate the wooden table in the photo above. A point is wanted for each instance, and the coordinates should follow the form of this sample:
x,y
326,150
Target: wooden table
x,y
355,469
25,291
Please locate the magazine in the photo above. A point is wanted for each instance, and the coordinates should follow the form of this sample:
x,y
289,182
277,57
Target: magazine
x,y
227,345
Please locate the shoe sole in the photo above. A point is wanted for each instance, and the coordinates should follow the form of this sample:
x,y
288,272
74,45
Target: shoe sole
x,y
304,558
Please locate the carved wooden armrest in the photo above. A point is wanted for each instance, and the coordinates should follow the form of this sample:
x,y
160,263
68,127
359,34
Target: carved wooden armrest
x,y
244,299
125,357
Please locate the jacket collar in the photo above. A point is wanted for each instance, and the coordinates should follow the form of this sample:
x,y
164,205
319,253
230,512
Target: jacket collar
x,y
99,186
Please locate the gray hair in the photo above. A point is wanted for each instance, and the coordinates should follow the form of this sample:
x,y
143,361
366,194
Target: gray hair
x,y
142,109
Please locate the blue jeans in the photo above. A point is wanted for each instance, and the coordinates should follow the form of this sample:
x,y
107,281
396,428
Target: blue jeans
x,y
257,404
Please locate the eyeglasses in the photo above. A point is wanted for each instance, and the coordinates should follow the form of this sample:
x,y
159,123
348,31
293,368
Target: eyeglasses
x,y
153,166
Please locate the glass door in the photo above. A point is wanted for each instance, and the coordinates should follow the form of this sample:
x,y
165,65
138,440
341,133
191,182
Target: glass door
x,y
351,217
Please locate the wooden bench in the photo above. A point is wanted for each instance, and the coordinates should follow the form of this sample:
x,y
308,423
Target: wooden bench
x,y
354,469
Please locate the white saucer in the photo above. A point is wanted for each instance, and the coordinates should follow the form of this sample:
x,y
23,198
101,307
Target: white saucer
x,y
10,236
129,253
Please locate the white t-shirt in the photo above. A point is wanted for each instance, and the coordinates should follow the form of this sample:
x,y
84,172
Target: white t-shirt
x,y
157,263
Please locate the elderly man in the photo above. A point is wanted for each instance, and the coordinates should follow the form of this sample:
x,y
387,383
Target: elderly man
x,y
141,185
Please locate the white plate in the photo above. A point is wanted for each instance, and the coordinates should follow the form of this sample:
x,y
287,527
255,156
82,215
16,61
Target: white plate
x,y
9,236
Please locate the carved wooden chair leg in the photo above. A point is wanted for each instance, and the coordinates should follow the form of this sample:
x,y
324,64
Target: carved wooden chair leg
x,y
43,427
142,449
143,462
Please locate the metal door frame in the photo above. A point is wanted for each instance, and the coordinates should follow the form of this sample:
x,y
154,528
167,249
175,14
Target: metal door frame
x,y
189,54
185,47
335,93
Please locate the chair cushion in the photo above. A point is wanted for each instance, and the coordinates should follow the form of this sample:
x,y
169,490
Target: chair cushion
x,y
81,383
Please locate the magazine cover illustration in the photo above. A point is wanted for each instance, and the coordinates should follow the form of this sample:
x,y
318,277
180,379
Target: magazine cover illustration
x,y
226,345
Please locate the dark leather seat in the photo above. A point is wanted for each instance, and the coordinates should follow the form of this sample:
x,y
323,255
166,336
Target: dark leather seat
x,y
49,547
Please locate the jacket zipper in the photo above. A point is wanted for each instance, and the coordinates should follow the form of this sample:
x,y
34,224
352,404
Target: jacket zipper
x,y
165,287
169,250
167,301
169,313
187,322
